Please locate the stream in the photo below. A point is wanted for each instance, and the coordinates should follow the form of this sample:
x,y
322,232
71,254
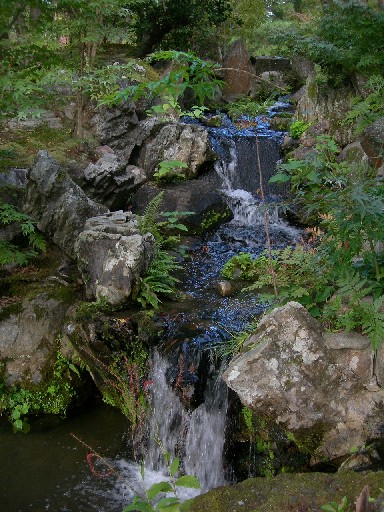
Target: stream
x,y
48,470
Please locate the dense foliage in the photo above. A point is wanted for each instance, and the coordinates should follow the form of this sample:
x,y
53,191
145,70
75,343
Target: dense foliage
x,y
338,273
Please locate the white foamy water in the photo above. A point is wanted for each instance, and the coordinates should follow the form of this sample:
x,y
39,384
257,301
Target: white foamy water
x,y
197,436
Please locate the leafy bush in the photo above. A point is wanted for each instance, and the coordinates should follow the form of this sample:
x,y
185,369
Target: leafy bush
x,y
152,503
366,110
11,253
248,107
189,72
346,40
297,129
160,279
167,170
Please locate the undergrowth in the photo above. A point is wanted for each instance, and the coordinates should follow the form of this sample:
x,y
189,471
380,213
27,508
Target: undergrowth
x,y
338,273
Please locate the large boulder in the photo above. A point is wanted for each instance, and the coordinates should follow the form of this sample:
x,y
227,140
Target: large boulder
x,y
59,206
111,183
188,143
29,339
372,142
200,197
324,105
112,255
238,72
319,386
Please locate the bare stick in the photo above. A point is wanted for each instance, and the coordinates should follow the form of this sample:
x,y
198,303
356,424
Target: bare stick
x,y
266,219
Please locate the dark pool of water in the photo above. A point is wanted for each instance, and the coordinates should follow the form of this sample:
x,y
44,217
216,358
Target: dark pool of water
x,y
41,470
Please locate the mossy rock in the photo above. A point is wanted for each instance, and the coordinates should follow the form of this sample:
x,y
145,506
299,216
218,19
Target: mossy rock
x,y
288,492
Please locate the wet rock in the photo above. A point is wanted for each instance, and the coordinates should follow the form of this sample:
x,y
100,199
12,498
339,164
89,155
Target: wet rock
x,y
111,183
197,196
29,339
295,377
228,288
59,206
112,255
372,142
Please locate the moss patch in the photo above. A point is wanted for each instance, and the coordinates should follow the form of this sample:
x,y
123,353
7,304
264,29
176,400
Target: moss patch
x,y
289,492
213,218
19,147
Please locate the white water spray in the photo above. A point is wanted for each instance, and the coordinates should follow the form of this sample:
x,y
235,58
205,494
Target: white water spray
x,y
197,436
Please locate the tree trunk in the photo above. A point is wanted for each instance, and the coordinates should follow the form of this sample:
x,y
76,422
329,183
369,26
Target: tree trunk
x,y
298,5
79,126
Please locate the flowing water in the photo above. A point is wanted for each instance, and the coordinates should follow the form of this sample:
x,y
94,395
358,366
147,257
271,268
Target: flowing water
x,y
47,469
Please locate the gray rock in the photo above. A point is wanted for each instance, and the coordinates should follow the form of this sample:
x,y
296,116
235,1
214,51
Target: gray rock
x,y
45,118
112,124
110,182
354,155
372,142
326,105
177,141
29,339
112,255
58,205
379,365
290,375
198,196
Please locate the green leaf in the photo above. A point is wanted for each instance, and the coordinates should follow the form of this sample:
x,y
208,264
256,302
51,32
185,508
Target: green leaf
x,y
155,489
280,178
181,227
188,481
166,501
18,424
74,369
139,506
173,507
16,414
186,505
174,466
330,507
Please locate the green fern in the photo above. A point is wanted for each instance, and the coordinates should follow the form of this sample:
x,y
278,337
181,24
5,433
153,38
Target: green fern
x,y
148,222
11,253
159,280
372,321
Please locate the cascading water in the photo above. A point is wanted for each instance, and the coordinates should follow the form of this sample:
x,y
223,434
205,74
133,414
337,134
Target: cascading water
x,y
197,436
189,400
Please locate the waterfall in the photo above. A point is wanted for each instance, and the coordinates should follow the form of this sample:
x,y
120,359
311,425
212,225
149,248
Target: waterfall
x,y
241,153
197,436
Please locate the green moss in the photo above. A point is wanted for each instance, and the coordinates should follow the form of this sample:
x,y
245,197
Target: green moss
x,y
307,441
288,492
312,91
213,218
18,148
11,309
52,397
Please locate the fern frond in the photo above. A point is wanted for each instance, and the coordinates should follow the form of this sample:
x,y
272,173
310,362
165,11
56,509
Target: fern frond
x,y
148,222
